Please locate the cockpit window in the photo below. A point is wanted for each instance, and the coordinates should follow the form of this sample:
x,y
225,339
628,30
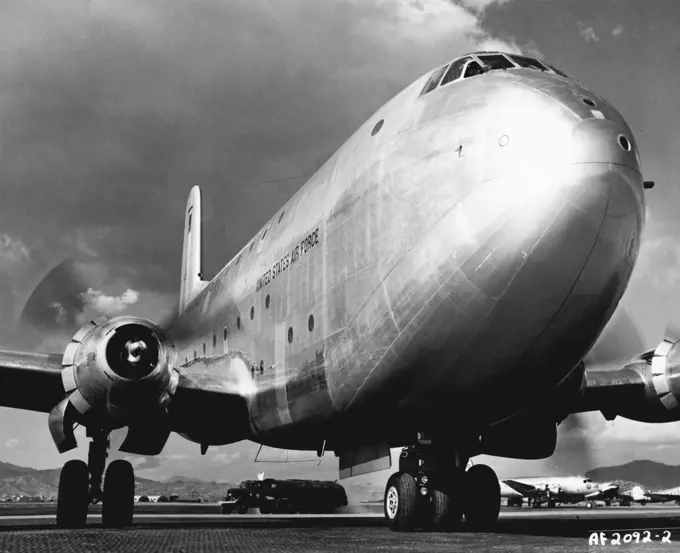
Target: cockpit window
x,y
523,61
497,61
559,72
455,71
472,69
433,81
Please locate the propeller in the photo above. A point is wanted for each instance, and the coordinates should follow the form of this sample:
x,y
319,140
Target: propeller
x,y
55,310
620,342
54,314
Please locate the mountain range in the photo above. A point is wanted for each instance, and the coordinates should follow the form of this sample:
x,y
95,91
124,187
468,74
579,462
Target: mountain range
x,y
648,474
15,480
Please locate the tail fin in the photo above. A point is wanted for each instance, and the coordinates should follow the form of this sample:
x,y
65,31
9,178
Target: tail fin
x,y
192,257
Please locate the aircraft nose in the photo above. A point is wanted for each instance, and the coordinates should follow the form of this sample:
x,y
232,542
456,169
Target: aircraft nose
x,y
603,141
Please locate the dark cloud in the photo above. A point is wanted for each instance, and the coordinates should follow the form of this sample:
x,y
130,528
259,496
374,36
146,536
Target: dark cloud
x,y
111,111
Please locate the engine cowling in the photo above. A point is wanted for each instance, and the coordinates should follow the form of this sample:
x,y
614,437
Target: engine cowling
x,y
665,374
117,373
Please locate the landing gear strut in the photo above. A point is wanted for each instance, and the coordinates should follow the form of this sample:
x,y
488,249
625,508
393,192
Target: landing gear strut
x,y
432,490
81,484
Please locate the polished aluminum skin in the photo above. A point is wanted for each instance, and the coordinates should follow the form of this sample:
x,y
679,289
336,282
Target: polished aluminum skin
x,y
450,264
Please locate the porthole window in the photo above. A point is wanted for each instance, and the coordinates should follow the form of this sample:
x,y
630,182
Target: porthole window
x,y
214,341
266,302
261,367
186,360
251,246
623,142
226,343
203,348
252,313
264,233
194,354
290,335
238,260
281,216
588,102
310,323
225,333
377,127
238,323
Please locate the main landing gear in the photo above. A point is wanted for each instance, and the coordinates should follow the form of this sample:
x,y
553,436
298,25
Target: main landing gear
x,y
432,490
80,485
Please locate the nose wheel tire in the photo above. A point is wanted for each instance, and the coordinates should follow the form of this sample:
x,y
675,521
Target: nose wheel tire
x,y
401,495
483,496
119,495
74,495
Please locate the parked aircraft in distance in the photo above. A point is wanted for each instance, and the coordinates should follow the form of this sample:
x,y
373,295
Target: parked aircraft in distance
x,y
514,498
553,490
638,494
435,286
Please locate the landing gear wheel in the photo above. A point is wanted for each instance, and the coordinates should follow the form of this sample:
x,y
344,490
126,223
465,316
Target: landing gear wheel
x,y
401,496
446,506
74,495
446,511
483,496
119,495
589,505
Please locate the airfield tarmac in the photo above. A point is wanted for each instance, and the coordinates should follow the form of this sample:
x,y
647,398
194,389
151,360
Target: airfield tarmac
x,y
181,528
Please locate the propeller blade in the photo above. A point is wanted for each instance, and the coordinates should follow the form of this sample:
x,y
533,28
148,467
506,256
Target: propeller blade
x,y
57,301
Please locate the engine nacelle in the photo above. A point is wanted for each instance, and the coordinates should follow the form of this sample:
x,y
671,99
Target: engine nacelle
x,y
665,374
659,369
116,373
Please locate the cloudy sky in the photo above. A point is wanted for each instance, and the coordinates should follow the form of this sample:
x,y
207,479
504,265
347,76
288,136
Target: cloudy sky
x,y
110,110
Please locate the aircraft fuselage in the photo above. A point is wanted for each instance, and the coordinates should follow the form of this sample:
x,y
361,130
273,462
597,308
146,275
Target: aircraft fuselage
x,y
451,263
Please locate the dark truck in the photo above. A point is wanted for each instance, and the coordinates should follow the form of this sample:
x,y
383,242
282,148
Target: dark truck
x,y
285,496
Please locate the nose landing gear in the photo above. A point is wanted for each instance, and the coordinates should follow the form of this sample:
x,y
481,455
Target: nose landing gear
x,y
432,490
80,485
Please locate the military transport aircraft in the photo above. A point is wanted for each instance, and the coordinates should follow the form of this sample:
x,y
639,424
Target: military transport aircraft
x,y
435,286
561,489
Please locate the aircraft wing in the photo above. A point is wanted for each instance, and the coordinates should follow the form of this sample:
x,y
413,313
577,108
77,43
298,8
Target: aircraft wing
x,y
646,389
34,382
526,490
609,492
609,391
30,381
659,497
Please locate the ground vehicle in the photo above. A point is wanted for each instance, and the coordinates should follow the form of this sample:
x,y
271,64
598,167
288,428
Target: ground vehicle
x,y
285,496
238,499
